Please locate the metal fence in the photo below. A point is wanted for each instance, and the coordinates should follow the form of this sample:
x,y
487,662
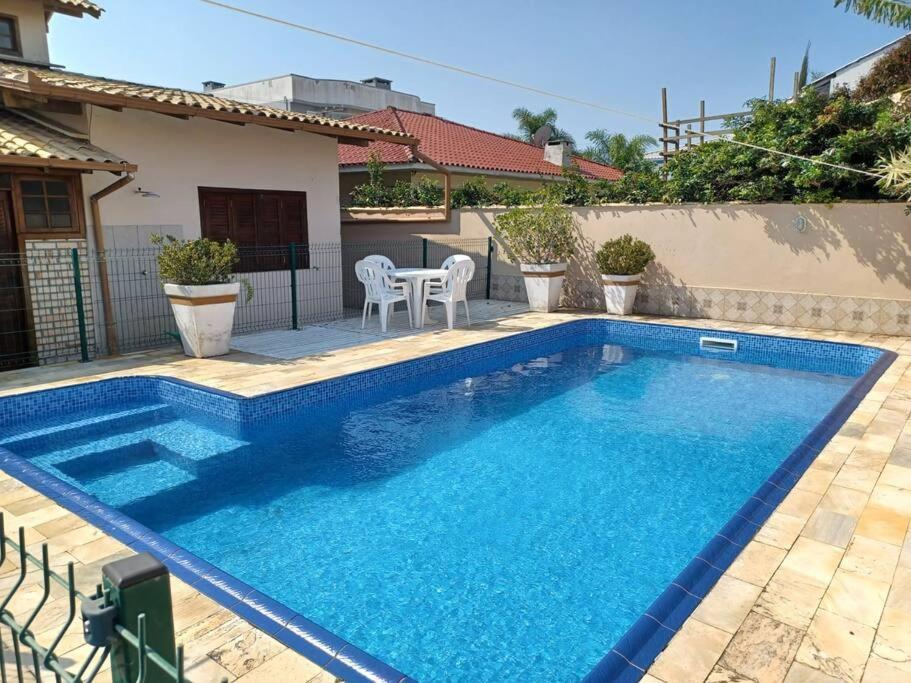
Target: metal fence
x,y
53,308
115,627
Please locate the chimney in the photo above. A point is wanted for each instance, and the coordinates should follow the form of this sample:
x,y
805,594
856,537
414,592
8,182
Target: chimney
x,y
558,152
377,82
209,86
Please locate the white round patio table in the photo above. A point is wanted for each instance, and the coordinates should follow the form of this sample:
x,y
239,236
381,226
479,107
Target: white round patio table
x,y
416,277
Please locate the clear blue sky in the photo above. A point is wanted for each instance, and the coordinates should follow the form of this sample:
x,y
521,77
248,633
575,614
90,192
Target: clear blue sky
x,y
616,53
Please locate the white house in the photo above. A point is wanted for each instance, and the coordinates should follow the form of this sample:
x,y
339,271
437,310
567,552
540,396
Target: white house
x,y
849,75
91,162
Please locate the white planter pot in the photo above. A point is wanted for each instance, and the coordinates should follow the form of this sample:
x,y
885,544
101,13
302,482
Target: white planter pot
x,y
205,316
543,283
620,292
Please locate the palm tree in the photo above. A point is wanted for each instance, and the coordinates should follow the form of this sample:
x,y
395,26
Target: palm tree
x,y
894,12
627,154
529,123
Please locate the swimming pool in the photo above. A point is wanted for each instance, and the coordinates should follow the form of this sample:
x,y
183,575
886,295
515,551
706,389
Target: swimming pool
x,y
507,511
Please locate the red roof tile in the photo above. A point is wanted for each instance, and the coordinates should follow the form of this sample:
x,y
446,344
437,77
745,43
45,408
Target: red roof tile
x,y
454,144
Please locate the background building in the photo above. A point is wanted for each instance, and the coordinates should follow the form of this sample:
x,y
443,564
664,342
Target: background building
x,y
326,97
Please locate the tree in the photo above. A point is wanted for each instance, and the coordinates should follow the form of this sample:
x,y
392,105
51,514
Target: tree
x,y
890,74
804,72
529,122
894,12
627,154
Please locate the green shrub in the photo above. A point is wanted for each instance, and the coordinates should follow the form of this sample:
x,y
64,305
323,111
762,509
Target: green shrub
x,y
890,74
538,234
198,262
637,187
625,255
473,193
839,129
375,192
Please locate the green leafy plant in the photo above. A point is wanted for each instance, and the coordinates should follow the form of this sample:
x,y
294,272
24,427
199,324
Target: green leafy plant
x,y
893,12
528,123
474,192
890,74
615,149
198,262
375,193
839,129
538,234
625,255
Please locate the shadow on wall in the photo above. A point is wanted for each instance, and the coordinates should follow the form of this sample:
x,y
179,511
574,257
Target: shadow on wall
x,y
583,288
881,245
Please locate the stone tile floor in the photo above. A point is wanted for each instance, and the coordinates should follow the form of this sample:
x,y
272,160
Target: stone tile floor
x,y
821,594
340,334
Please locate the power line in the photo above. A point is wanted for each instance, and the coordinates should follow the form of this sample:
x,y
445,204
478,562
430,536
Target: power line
x,y
514,84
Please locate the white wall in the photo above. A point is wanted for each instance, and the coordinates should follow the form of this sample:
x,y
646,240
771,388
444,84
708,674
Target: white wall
x,y
176,157
32,31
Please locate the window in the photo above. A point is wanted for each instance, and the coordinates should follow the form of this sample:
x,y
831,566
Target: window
x,y
261,222
9,36
47,205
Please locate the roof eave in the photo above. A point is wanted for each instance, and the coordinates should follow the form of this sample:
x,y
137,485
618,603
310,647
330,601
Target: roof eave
x,y
73,11
68,164
36,86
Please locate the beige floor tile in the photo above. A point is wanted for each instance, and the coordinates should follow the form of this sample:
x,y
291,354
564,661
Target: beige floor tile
x,y
892,497
879,670
816,479
801,673
830,527
897,476
836,646
859,477
893,639
871,558
728,604
246,652
799,503
762,650
287,666
691,654
815,561
780,530
844,501
856,597
900,591
883,524
790,598
756,563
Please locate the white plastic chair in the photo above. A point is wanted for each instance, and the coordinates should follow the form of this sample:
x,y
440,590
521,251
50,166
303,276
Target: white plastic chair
x,y
380,290
387,265
446,265
452,289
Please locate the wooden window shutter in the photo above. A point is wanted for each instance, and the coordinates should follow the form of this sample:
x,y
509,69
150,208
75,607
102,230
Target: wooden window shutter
x,y
216,221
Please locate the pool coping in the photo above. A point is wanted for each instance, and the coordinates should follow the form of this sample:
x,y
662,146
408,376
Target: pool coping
x,y
628,659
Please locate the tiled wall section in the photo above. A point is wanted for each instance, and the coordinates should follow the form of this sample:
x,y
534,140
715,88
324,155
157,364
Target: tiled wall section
x,y
819,311
52,295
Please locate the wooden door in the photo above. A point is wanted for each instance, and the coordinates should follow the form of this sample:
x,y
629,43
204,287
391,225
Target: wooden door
x,y
15,346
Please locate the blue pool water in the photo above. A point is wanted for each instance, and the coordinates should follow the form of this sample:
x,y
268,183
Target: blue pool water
x,y
507,519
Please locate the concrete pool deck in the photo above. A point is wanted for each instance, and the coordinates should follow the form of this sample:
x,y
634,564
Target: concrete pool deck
x,y
822,593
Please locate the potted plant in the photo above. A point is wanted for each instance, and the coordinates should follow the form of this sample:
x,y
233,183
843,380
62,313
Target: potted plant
x,y
198,278
540,239
621,262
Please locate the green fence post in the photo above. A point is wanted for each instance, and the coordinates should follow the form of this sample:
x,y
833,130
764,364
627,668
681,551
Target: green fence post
x,y
140,585
424,252
80,308
489,263
292,256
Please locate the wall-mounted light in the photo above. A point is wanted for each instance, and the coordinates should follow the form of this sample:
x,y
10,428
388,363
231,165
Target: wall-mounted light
x,y
800,223
146,193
